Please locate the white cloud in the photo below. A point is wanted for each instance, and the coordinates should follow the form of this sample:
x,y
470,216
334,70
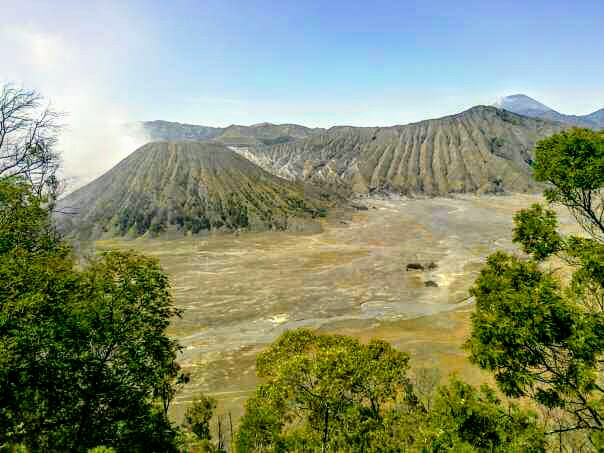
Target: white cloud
x,y
76,78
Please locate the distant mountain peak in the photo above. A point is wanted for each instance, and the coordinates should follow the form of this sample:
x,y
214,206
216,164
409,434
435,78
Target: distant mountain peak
x,y
527,106
522,104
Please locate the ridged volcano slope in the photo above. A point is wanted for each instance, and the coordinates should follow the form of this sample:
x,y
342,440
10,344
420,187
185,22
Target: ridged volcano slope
x,y
185,186
483,149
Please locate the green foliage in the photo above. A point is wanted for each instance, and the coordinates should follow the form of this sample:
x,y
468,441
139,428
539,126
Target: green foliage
x,y
84,358
24,221
319,212
101,450
302,207
587,283
536,231
496,143
537,340
332,393
199,414
123,321
543,338
572,162
35,277
508,292
321,390
124,221
467,419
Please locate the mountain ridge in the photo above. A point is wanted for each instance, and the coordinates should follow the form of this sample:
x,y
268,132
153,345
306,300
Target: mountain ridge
x,y
256,134
483,149
267,133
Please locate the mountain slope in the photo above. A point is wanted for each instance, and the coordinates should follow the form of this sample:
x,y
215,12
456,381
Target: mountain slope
x,y
170,131
524,105
234,135
185,186
484,149
597,117
264,134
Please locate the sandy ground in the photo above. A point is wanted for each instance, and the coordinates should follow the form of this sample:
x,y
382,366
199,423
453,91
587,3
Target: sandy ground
x,y
239,292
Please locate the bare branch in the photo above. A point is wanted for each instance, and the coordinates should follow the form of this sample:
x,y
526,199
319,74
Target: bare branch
x,y
28,139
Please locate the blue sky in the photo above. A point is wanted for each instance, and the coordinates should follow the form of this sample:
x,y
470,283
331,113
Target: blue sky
x,y
378,62
317,63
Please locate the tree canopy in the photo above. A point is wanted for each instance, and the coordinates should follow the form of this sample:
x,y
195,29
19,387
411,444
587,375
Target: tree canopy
x,y
333,393
540,328
572,163
84,357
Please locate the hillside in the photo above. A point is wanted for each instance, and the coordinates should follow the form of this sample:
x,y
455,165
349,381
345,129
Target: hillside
x,y
171,131
483,149
185,187
264,134
525,105
234,135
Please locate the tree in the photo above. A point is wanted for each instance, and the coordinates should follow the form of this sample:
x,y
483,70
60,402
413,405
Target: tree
x,y
198,416
332,393
468,419
35,278
572,163
197,421
28,138
127,358
322,392
84,357
541,333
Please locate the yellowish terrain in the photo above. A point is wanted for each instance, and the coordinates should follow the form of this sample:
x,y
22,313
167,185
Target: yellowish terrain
x,y
239,292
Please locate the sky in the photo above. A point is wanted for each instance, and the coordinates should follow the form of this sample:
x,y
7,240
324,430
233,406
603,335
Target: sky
x,y
317,63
